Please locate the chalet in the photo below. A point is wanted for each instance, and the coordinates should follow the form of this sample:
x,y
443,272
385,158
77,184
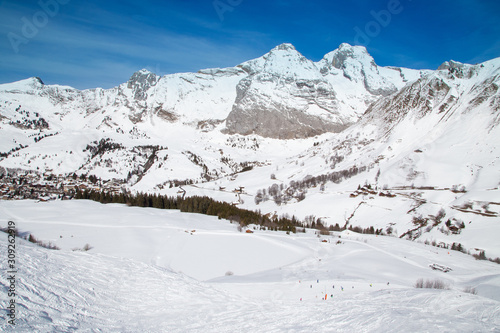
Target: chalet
x,y
116,181
239,190
82,187
440,268
69,187
115,190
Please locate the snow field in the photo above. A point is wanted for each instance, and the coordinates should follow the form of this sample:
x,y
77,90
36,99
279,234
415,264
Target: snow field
x,y
117,286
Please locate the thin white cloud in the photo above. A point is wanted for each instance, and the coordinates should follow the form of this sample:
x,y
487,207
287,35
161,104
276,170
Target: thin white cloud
x,y
80,56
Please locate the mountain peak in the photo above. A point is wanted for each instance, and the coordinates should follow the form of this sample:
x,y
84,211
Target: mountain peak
x,y
284,60
33,82
140,82
451,64
142,72
347,46
24,85
357,65
37,80
346,52
284,47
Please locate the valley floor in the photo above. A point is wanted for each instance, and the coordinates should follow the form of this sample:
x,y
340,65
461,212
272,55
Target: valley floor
x,y
152,270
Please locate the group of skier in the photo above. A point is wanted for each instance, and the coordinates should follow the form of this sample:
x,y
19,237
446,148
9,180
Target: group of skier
x,y
333,287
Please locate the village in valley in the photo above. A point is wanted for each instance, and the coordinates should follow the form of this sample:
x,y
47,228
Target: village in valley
x,y
22,184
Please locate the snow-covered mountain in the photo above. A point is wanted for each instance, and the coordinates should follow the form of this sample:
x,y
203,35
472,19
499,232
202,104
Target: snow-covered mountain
x,y
340,142
400,130
429,153
289,96
281,94
440,127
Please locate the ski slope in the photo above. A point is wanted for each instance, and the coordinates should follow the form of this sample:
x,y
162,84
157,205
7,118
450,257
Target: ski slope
x,y
155,270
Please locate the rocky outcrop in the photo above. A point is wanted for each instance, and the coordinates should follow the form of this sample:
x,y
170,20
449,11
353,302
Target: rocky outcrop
x,y
280,95
284,97
140,82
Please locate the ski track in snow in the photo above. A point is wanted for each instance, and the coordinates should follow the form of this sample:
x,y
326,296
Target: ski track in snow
x,y
63,291
163,271
74,291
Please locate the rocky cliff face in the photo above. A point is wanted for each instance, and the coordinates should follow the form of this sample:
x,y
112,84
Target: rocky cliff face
x,y
279,95
453,91
140,83
284,97
398,116
289,96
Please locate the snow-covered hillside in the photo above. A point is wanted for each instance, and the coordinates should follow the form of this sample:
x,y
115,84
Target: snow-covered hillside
x,y
154,270
279,95
288,96
305,98
416,156
428,153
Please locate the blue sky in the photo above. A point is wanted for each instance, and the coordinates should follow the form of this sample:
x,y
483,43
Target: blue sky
x,y
88,44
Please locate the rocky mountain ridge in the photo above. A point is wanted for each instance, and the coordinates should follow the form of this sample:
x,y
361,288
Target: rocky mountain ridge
x,y
202,126
280,95
421,146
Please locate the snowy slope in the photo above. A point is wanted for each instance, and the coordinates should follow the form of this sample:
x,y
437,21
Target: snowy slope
x,y
282,81
117,288
432,145
353,69
426,137
281,95
438,131
327,96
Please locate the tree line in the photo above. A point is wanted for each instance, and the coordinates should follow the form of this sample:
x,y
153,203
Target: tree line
x,y
195,204
298,189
